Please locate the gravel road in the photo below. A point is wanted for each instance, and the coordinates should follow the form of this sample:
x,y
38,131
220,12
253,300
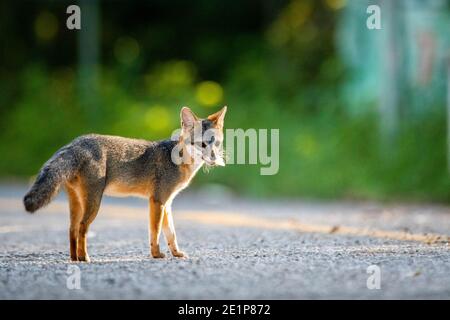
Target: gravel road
x,y
238,249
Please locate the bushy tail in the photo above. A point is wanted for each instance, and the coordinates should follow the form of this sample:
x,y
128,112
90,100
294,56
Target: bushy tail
x,y
54,172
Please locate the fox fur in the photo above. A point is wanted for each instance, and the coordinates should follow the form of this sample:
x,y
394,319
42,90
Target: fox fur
x,y
93,165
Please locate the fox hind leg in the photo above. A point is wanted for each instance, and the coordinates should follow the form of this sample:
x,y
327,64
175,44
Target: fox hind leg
x,y
92,199
76,212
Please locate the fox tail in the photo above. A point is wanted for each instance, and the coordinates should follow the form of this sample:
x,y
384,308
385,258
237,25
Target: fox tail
x,y
55,171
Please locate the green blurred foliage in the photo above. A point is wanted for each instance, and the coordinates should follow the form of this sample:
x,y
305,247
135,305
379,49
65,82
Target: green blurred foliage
x,y
279,70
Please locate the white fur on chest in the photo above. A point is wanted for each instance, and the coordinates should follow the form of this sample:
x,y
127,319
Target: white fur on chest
x,y
183,185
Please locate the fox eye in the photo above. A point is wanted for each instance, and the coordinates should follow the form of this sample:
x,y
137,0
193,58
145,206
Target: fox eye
x,y
211,140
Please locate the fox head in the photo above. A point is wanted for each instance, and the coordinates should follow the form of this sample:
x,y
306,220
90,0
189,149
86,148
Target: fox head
x,y
202,138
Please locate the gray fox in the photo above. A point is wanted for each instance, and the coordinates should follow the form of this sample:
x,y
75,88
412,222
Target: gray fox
x,y
93,165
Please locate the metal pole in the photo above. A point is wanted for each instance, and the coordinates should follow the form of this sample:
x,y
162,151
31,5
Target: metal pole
x,y
88,54
448,113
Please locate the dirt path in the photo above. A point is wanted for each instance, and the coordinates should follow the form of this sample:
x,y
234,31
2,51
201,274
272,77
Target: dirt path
x,y
237,249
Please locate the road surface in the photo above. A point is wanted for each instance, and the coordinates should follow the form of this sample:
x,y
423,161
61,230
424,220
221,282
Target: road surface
x,y
238,249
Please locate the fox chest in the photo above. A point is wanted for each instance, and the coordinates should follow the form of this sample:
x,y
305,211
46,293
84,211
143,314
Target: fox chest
x,y
184,183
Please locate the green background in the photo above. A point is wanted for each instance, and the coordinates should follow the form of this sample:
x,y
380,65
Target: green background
x,y
311,69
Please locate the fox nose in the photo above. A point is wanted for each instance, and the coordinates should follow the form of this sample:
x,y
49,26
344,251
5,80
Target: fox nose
x,y
209,153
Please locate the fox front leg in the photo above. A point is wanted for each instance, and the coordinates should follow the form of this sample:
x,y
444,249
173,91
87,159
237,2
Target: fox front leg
x,y
169,232
156,217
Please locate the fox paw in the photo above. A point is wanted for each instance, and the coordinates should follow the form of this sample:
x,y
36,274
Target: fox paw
x,y
158,255
179,254
84,259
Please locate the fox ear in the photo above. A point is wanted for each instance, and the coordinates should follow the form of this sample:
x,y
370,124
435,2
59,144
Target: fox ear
x,y
219,116
188,118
